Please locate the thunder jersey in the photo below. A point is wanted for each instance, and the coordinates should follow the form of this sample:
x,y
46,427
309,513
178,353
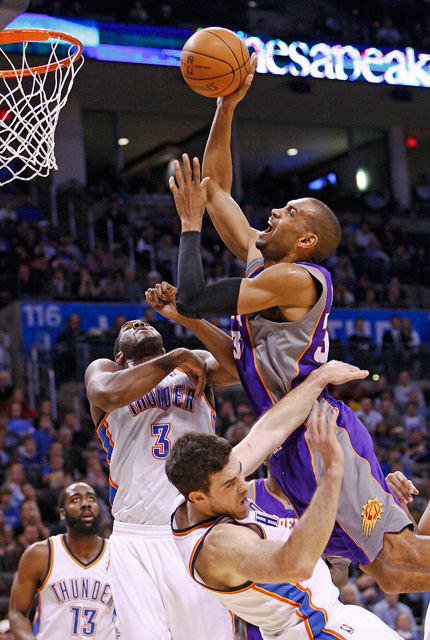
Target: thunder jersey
x,y
277,608
74,600
274,357
138,438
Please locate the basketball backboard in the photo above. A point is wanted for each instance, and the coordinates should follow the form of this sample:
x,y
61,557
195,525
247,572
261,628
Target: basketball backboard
x,y
10,9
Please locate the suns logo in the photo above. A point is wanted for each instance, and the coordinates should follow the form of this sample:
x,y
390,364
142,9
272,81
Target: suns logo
x,y
371,513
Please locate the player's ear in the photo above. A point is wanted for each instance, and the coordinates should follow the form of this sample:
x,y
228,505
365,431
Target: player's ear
x,y
163,351
62,514
308,241
119,357
196,496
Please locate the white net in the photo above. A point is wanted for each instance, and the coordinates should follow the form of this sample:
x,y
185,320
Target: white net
x,y
30,103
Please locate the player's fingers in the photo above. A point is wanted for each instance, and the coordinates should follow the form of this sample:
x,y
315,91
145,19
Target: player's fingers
x,y
159,292
313,419
201,382
196,170
254,60
178,173
172,186
187,168
322,421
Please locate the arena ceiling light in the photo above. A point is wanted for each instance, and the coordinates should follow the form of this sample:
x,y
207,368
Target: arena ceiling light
x,y
292,151
123,142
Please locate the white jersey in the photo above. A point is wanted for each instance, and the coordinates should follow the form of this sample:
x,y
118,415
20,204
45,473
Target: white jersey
x,y
138,439
275,608
74,600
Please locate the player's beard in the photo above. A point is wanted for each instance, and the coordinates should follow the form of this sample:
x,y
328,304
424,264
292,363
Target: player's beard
x,y
81,528
146,346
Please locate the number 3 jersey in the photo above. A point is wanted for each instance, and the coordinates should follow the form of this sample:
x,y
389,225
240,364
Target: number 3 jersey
x,y
138,439
274,357
74,600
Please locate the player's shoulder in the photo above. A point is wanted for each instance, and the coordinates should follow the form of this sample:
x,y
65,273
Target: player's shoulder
x,y
102,365
37,556
292,272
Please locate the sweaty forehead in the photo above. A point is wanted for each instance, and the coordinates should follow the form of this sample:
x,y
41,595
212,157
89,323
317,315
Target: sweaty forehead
x,y
81,489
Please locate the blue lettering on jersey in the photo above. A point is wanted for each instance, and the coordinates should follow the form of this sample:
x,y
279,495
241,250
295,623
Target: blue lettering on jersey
x,y
262,517
82,589
163,397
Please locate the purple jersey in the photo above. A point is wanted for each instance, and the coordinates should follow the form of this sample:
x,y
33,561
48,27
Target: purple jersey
x,y
274,357
260,494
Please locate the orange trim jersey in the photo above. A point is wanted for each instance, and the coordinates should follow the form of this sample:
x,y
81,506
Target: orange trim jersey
x,y
138,439
74,600
283,611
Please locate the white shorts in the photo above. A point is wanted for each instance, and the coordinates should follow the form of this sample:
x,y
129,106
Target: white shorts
x,y
357,623
427,625
154,597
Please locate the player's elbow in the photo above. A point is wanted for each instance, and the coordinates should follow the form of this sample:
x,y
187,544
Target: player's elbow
x,y
299,569
186,309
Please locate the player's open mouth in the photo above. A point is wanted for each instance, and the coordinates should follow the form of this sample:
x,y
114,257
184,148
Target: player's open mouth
x,y
87,516
268,230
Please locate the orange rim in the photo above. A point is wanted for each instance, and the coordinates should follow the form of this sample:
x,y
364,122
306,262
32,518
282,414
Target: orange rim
x,y
11,36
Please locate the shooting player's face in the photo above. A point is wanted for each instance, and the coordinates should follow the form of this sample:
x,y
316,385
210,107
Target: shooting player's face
x,y
285,227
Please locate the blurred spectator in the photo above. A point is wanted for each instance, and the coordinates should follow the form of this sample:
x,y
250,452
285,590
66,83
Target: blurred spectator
x,y
54,474
30,516
403,626
389,413
28,211
395,296
45,434
133,292
15,476
350,594
11,512
370,593
17,424
6,537
362,347
236,433
86,289
368,415
414,420
66,357
342,297
421,190
417,447
410,339
59,286
392,348
389,608
402,390
388,35
30,459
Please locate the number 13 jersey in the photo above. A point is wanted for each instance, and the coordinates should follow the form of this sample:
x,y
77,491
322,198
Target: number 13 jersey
x,y
74,600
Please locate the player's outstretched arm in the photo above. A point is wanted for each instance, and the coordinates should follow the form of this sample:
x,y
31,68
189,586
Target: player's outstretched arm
x,y
110,387
244,557
274,426
286,285
31,572
221,368
225,213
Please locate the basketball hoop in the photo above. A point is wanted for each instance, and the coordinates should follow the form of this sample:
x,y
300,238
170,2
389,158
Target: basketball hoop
x,y
31,98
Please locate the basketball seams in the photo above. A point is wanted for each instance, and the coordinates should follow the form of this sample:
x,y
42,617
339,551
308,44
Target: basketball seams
x,y
211,63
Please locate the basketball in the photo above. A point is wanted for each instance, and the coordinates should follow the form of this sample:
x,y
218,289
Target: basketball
x,y
214,62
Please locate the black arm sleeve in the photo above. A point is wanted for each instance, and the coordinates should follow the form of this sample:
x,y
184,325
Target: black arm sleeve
x,y
194,298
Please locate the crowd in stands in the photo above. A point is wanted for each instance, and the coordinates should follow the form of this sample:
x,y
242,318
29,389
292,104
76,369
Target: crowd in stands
x,y
383,23
382,261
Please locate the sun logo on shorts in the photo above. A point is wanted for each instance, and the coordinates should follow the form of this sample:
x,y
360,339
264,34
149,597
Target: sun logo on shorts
x,y
371,513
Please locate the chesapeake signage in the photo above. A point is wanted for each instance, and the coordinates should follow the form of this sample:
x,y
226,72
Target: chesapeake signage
x,y
162,46
342,62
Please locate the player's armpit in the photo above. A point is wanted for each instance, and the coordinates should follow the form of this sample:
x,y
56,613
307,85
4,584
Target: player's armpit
x,y
231,224
281,285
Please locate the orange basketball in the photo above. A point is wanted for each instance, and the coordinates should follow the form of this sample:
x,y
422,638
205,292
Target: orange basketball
x,y
214,62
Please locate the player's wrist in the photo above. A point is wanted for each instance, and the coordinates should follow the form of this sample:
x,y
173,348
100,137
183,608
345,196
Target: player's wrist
x,y
191,225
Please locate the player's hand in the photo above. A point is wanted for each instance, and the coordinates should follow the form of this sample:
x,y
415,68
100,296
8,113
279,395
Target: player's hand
x,y
322,432
195,368
402,488
337,372
190,194
234,98
162,299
